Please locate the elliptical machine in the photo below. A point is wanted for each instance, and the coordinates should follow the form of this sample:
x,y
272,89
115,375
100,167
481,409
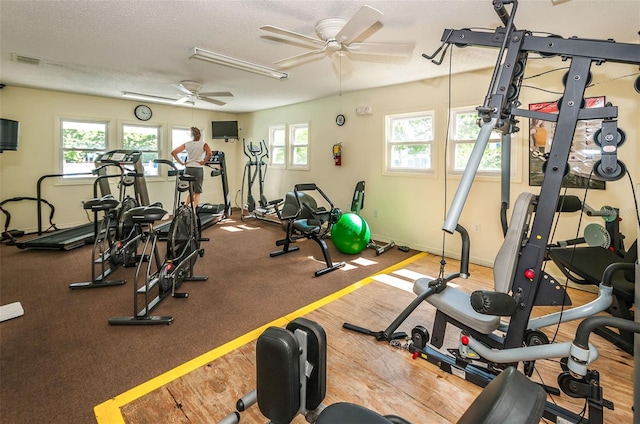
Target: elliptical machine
x,y
256,168
183,249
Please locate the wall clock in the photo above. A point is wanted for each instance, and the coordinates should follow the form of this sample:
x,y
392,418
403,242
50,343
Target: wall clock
x,y
340,120
143,112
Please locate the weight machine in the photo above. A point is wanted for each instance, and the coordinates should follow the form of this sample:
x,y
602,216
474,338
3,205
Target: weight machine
x,y
357,203
256,168
527,283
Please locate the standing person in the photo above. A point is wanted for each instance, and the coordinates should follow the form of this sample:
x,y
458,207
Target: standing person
x,y
198,153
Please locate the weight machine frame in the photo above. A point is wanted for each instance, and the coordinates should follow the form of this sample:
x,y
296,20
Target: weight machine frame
x,y
499,111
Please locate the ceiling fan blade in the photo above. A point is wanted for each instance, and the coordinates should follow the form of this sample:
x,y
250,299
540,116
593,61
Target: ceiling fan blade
x,y
214,101
386,49
361,21
294,60
182,100
291,34
184,90
217,94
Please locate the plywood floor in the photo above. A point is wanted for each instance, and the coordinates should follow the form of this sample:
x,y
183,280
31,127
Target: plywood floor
x,y
375,374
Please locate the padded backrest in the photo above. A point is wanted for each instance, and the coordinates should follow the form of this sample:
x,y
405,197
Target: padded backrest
x,y
290,206
316,358
278,375
278,378
511,398
504,266
357,202
311,205
631,257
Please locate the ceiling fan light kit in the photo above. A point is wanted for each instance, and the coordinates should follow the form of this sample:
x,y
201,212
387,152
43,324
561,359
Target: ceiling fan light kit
x,y
240,64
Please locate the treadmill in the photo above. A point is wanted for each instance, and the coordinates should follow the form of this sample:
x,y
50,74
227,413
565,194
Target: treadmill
x,y
209,213
73,237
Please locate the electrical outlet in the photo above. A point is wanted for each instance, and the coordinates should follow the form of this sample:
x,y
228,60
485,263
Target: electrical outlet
x,y
375,213
476,227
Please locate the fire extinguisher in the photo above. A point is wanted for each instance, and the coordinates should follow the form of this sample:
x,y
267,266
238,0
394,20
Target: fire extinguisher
x,y
337,154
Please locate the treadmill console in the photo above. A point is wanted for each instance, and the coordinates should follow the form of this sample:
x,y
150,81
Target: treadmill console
x,y
122,156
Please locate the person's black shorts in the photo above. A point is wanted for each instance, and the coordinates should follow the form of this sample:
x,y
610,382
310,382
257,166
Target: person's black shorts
x,y
198,173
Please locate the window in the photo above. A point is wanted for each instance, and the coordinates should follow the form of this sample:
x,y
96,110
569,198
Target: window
x,y
179,136
299,145
81,141
464,133
409,139
145,139
277,146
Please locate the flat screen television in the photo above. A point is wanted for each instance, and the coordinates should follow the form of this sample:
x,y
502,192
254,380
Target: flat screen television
x,y
224,130
9,134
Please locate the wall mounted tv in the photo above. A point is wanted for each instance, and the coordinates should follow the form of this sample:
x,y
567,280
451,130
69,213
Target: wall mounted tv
x,y
9,134
224,130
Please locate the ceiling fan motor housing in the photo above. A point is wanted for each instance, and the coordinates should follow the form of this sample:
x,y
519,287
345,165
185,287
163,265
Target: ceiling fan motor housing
x,y
327,29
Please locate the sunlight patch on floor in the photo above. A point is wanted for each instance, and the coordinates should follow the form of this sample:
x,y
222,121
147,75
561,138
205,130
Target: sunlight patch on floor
x,y
363,262
231,229
347,266
392,281
246,227
411,275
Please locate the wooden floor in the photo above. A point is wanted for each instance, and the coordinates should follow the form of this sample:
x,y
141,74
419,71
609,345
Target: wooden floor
x,y
375,374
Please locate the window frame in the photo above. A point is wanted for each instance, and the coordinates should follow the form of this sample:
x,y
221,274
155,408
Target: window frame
x,y
62,149
389,168
158,152
272,154
187,133
454,142
293,144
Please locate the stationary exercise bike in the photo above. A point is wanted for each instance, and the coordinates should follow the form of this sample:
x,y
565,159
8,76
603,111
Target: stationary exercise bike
x,y
256,168
182,251
113,231
302,217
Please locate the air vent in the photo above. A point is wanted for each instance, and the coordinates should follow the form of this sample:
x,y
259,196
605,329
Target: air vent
x,y
25,59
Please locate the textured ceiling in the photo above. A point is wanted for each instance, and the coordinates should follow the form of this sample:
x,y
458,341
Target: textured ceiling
x,y
105,47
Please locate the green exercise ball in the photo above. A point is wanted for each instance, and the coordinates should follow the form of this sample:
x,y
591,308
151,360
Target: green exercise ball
x,y
351,233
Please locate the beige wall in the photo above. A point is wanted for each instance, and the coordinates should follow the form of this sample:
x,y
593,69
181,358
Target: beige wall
x,y
410,208
39,113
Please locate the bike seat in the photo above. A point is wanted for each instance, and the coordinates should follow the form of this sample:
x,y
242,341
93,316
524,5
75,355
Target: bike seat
x,y
187,177
104,203
145,214
307,226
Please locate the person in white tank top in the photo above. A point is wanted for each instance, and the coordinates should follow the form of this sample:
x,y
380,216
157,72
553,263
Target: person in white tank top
x,y
198,153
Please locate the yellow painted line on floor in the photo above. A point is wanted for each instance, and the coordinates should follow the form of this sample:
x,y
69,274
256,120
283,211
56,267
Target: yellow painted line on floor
x,y
108,412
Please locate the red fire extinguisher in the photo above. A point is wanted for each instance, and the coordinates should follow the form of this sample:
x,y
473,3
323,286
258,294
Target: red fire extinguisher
x,y
337,154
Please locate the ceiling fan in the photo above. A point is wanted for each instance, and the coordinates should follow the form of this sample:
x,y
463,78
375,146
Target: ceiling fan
x,y
191,92
337,36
